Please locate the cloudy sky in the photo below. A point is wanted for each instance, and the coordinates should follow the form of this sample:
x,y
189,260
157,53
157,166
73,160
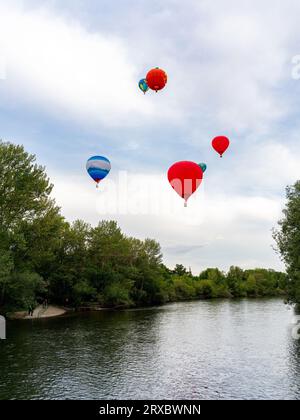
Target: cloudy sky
x,y
68,90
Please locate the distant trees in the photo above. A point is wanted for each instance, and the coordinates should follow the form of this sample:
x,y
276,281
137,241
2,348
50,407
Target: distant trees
x,y
213,283
236,281
180,270
288,241
44,256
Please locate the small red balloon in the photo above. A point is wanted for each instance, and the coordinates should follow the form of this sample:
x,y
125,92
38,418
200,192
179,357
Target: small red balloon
x,y
220,144
156,79
185,177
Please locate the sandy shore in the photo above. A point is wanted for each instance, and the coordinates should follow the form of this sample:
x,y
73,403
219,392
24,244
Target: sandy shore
x,y
40,312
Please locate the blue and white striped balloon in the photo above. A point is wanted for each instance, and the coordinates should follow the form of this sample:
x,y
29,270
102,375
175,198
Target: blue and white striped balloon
x,y
98,168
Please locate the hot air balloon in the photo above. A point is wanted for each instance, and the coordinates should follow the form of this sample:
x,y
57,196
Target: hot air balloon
x,y
156,79
98,167
143,85
203,166
185,177
220,144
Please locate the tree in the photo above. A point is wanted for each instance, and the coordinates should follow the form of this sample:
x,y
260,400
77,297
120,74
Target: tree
x,y
68,280
180,270
6,269
25,204
288,241
107,254
24,187
205,289
184,287
236,282
251,285
147,272
213,274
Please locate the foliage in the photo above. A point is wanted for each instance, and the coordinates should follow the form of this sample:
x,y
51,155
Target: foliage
x,y
44,256
288,241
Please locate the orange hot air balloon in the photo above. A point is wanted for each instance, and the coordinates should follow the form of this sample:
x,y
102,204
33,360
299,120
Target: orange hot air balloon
x,y
156,79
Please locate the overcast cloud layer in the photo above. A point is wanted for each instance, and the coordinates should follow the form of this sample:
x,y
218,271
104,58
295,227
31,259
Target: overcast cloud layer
x,y
68,90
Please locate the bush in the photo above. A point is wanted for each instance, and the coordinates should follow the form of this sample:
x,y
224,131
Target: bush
x,y
184,288
205,289
117,294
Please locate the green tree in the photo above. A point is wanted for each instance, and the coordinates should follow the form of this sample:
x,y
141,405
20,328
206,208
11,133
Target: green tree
x,y
184,287
205,289
213,274
236,282
180,270
24,201
147,273
68,280
24,187
6,269
107,254
251,285
218,280
288,241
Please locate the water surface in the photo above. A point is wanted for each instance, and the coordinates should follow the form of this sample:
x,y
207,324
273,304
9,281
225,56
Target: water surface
x,y
237,349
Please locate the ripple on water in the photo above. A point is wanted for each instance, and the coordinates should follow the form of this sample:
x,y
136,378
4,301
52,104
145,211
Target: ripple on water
x,y
239,349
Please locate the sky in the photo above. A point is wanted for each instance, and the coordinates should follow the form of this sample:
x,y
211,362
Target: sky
x,y
68,90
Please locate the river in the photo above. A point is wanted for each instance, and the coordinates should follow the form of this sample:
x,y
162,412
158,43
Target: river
x,y
220,349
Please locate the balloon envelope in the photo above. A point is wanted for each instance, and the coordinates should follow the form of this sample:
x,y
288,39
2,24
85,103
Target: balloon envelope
x,y
220,144
98,168
143,85
203,166
185,177
156,79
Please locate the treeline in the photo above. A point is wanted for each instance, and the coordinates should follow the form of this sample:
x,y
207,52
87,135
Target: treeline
x,y
213,283
288,242
42,256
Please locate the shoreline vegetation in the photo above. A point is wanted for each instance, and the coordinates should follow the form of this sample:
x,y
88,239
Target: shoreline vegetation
x,y
58,311
211,284
45,258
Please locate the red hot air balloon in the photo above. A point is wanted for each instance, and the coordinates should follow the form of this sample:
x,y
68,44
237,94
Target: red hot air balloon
x,y
220,144
156,79
185,177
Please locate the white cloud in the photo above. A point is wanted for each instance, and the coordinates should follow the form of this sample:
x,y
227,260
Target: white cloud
x,y
267,167
227,62
65,69
223,63
246,60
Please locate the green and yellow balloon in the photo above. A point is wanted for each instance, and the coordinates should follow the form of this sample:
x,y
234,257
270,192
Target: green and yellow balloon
x,y
143,85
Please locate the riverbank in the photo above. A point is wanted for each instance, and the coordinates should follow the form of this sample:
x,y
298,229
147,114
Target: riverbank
x,y
39,312
55,311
